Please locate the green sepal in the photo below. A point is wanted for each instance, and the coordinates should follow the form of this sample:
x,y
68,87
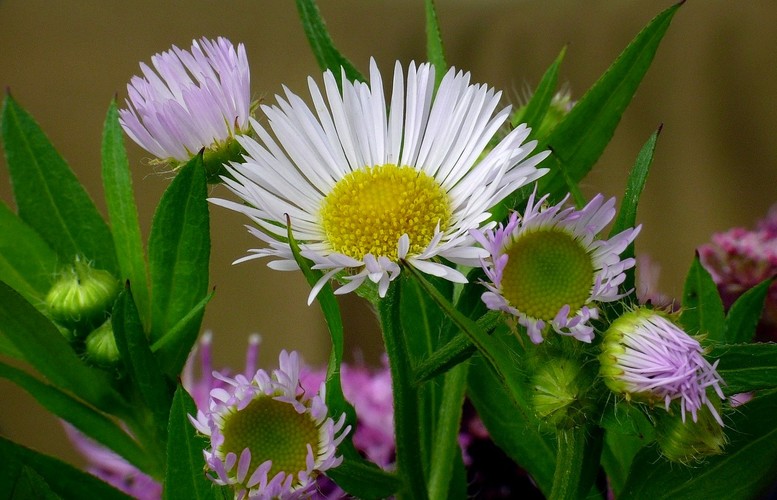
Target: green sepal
x,y
48,195
702,307
123,213
745,312
184,474
179,249
328,57
27,262
61,478
746,467
27,335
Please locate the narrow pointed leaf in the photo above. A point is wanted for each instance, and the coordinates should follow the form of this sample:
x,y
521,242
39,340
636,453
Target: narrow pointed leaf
x,y
61,478
27,263
538,105
140,363
435,53
30,484
746,367
627,215
82,417
184,476
702,306
123,214
49,197
324,50
29,336
579,140
179,249
173,349
745,313
747,466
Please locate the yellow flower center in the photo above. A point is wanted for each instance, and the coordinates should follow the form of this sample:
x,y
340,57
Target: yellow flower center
x,y
272,430
545,271
369,209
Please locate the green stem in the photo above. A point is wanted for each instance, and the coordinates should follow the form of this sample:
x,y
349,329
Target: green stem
x,y
577,460
446,439
407,420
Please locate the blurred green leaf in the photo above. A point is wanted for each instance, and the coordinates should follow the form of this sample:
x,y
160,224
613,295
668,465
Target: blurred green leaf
x,y
702,308
179,249
173,349
140,364
745,313
579,140
746,367
29,336
61,478
27,263
360,476
435,53
627,215
82,417
49,197
748,465
185,476
123,214
30,484
324,50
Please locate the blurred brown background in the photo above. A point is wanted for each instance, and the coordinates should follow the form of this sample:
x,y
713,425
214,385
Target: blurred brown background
x,y
712,84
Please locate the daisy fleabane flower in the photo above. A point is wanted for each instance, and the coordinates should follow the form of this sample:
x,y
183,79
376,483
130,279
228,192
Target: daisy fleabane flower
x,y
369,184
269,439
190,100
646,356
547,268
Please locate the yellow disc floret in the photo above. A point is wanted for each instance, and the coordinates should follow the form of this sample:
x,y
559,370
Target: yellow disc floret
x,y
369,209
545,271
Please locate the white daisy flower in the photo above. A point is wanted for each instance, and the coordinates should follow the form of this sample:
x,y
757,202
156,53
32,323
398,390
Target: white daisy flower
x,y
369,184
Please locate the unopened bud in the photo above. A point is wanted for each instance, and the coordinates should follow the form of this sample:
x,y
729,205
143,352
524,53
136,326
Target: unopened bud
x,y
101,348
82,296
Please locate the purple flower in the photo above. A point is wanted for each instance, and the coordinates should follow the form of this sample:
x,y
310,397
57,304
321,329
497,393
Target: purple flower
x,y
190,100
547,268
645,356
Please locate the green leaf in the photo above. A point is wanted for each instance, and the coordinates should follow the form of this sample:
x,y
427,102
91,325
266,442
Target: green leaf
x,y
30,484
627,215
49,197
179,249
578,453
140,363
173,349
370,481
745,313
435,53
123,214
27,263
61,478
627,431
27,335
184,477
748,465
511,428
326,54
746,367
538,105
83,417
579,140
702,307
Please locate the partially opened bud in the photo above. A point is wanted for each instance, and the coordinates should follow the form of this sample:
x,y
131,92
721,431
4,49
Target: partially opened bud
x,y
82,296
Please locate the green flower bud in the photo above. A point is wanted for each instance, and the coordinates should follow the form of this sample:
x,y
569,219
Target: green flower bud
x,y
101,348
560,394
686,441
82,296
560,106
